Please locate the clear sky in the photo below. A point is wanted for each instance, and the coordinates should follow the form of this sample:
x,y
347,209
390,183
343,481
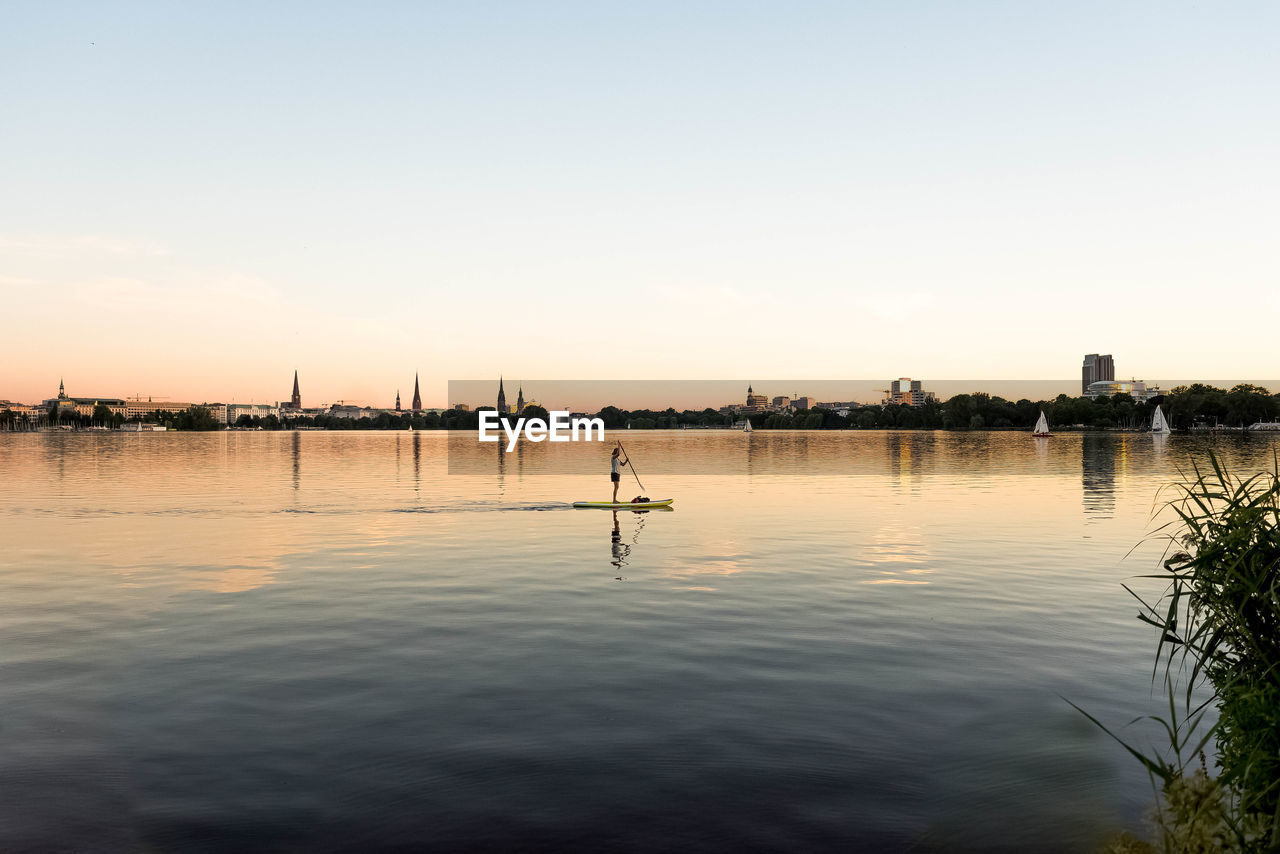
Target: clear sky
x,y
195,199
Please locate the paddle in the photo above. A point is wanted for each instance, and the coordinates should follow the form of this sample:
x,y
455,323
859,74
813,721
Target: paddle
x,y
630,464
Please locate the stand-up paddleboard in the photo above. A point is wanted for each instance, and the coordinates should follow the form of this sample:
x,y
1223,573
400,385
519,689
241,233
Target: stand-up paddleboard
x,y
622,505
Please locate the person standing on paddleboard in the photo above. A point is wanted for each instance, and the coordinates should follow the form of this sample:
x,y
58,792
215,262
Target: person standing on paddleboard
x,y
616,474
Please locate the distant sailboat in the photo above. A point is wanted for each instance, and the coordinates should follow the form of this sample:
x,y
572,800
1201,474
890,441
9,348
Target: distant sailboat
x,y
746,428
1042,426
1158,423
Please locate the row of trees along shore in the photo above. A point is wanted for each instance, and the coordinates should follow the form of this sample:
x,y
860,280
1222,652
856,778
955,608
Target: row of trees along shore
x,y
195,418
1185,407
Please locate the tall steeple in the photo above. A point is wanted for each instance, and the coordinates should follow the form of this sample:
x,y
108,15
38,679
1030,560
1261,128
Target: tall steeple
x,y
397,400
296,400
502,398
520,401
417,396
62,390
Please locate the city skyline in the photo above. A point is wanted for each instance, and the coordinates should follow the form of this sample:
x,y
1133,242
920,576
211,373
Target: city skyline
x,y
877,197
583,395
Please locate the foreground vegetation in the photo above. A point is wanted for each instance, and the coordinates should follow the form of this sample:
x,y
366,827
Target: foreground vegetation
x,y
1219,635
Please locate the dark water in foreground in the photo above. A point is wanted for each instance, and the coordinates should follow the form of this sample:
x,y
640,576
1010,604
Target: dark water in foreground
x,y
324,641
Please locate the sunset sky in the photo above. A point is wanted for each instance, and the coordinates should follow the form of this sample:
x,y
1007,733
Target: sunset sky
x,y
200,198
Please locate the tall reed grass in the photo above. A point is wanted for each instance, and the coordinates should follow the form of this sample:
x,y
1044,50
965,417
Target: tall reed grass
x,y
1219,637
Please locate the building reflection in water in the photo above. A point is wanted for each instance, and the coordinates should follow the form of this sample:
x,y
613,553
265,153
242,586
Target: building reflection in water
x,y
1098,474
417,460
905,454
296,448
500,449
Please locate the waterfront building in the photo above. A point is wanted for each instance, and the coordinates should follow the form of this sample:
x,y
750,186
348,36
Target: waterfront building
x,y
87,405
781,402
1137,389
130,408
217,410
254,410
1096,368
804,402
139,408
64,403
26,413
342,410
462,407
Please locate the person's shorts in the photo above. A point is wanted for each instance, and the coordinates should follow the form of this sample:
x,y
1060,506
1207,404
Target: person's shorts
x,y
615,476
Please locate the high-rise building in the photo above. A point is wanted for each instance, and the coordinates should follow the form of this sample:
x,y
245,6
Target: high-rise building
x,y
1096,368
908,392
502,398
417,395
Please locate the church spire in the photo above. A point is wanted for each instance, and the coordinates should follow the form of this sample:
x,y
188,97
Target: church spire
x,y
397,400
417,396
502,398
296,400
62,390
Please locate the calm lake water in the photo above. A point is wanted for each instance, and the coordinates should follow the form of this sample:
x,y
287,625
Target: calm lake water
x,y
315,641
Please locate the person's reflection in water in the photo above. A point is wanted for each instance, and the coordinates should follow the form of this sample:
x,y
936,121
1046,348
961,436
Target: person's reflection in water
x,y
621,550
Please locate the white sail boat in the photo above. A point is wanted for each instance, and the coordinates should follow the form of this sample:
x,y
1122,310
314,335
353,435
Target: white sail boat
x,y
746,428
1158,423
1042,426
